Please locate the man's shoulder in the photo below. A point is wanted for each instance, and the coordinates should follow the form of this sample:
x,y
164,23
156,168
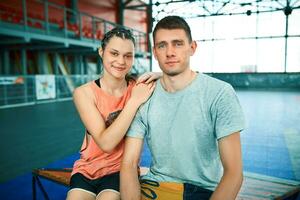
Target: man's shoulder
x,y
212,84
212,80
153,99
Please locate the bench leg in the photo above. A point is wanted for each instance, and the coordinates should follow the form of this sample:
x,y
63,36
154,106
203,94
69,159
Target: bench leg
x,y
35,179
33,187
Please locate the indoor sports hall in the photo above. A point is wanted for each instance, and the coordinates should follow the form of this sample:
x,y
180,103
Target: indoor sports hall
x,y
50,47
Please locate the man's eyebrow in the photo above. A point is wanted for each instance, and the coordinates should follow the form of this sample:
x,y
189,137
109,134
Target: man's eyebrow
x,y
161,42
178,40
172,41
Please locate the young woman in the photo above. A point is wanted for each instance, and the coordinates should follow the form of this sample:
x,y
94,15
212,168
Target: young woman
x,y
106,107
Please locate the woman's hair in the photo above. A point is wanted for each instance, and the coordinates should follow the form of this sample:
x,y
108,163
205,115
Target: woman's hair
x,y
118,32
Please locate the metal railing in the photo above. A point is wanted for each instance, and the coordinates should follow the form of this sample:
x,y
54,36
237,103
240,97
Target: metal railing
x,y
34,89
59,21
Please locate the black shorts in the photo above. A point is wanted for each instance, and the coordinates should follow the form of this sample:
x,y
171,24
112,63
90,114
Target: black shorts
x,y
109,182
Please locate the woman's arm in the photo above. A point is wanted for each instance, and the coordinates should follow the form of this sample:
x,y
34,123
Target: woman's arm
x,y
107,138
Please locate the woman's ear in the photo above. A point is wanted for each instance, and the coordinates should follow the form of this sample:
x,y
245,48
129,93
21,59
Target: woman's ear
x,y
100,52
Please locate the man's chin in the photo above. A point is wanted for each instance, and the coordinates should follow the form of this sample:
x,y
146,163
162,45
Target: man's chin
x,y
171,73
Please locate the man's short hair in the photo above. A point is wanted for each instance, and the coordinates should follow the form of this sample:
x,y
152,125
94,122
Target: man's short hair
x,y
173,22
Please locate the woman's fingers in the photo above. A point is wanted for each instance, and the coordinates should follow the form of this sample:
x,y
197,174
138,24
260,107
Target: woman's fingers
x,y
152,86
143,78
148,77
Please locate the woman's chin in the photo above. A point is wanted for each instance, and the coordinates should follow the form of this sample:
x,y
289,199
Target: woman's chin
x,y
119,75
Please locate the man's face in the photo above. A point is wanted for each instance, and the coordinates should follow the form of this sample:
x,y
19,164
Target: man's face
x,y
172,50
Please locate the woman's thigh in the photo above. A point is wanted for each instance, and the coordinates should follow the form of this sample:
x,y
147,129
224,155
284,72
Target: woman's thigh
x,y
108,195
79,194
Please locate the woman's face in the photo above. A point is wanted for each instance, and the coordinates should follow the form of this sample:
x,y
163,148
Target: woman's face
x,y
118,56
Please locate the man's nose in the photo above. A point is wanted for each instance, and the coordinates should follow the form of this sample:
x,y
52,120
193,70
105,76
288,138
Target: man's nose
x,y
170,51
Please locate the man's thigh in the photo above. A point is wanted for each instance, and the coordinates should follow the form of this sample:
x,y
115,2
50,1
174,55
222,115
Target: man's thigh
x,y
193,192
174,191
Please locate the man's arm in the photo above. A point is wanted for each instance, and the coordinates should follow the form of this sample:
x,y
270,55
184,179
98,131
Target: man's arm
x,y
230,153
130,186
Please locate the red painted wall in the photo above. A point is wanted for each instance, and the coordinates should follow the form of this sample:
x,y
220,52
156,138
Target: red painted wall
x,y
107,10
103,9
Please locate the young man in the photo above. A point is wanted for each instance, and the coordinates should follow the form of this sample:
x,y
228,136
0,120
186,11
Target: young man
x,y
192,125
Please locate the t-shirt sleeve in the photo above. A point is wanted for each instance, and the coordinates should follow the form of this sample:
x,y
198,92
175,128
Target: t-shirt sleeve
x,y
138,127
227,113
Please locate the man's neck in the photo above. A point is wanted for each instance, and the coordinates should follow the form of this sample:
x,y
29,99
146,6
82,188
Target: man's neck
x,y
175,83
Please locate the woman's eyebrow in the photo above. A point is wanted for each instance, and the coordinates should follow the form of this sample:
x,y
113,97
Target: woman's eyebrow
x,y
112,49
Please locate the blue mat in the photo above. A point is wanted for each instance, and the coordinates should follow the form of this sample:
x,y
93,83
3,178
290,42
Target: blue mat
x,y
21,187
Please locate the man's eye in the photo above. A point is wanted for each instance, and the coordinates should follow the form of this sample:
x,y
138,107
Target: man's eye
x,y
114,53
160,46
128,56
178,44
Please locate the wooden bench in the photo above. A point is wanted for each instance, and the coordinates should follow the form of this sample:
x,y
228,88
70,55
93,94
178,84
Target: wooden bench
x,y
255,186
60,176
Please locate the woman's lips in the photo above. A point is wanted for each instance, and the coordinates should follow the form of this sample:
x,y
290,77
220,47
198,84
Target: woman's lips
x,y
119,68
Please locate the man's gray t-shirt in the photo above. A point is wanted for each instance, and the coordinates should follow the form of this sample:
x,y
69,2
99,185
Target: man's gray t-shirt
x,y
182,129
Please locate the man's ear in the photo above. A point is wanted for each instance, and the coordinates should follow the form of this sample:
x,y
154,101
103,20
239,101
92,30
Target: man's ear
x,y
100,52
193,47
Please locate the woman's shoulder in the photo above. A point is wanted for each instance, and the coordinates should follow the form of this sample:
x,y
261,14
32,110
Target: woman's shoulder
x,y
131,81
83,90
131,78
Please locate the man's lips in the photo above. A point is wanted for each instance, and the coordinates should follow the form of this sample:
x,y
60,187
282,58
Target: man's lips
x,y
171,62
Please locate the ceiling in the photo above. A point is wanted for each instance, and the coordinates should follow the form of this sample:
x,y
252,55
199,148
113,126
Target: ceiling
x,y
206,8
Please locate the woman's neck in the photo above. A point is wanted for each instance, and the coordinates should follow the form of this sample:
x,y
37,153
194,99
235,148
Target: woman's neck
x,y
113,86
